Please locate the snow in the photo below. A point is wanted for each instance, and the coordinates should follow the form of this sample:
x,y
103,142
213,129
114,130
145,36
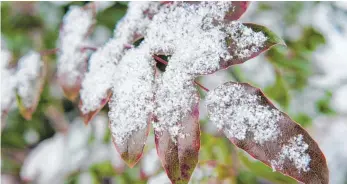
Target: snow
x,y
339,99
8,81
41,168
195,35
57,157
245,40
296,152
237,113
131,104
103,62
150,163
196,43
160,178
331,136
28,75
175,97
72,38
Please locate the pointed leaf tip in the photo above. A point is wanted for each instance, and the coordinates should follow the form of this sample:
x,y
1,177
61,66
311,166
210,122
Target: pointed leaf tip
x,y
259,39
87,117
30,81
179,155
132,149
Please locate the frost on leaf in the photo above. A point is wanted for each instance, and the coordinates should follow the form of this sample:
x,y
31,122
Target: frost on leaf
x,y
240,114
190,34
8,82
97,83
30,79
296,152
179,154
131,104
246,41
254,124
72,57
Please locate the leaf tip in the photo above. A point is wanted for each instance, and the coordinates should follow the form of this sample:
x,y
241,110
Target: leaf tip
x,y
131,160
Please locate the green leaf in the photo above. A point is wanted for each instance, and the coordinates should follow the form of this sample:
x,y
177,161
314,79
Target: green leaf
x,y
261,170
279,91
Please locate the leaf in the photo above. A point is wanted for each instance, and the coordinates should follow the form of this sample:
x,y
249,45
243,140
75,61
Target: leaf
x,y
268,134
131,104
131,151
77,25
71,92
272,40
90,115
279,91
180,156
261,170
33,86
238,9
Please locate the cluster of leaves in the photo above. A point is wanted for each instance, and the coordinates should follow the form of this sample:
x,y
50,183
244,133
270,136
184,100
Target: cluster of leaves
x,y
179,157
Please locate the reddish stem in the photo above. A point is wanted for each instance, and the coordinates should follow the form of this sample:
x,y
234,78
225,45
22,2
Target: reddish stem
x,y
201,86
160,60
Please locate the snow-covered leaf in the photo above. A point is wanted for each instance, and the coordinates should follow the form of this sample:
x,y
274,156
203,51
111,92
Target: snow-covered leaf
x,y
90,115
247,41
179,154
102,64
254,124
30,77
238,9
131,104
7,86
45,162
72,57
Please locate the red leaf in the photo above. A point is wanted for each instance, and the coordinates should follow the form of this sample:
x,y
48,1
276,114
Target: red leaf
x,y
272,40
179,158
238,9
131,151
131,104
292,151
90,115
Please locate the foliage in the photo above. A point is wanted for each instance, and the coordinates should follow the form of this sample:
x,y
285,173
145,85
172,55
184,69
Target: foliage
x,y
179,153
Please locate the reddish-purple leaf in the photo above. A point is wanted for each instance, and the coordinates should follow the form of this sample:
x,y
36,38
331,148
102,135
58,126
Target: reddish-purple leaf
x,y
271,40
90,115
131,150
180,156
131,104
237,10
255,125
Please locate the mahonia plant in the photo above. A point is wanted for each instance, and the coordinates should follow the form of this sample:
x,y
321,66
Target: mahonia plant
x,y
146,73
